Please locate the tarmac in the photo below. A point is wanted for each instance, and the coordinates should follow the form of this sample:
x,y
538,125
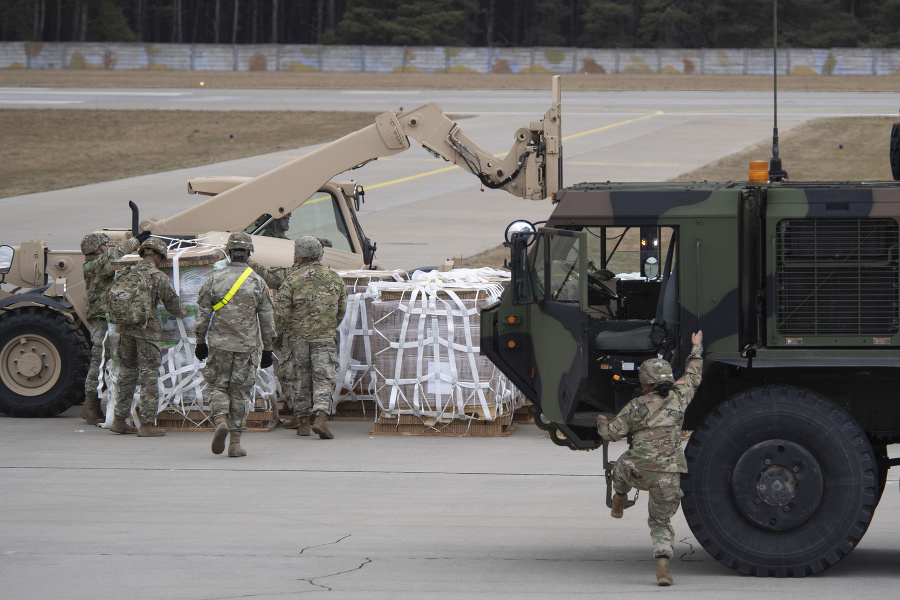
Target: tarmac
x,y
90,514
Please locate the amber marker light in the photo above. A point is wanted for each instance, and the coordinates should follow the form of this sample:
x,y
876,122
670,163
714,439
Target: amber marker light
x,y
759,171
511,344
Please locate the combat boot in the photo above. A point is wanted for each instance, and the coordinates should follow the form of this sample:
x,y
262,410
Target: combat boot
x,y
320,426
120,426
294,423
221,432
303,425
619,502
91,412
150,430
662,572
234,446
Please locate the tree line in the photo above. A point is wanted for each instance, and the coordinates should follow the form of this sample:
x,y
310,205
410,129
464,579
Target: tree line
x,y
503,23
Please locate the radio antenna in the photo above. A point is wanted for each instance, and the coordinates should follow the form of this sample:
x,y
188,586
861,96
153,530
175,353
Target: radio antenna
x,y
776,173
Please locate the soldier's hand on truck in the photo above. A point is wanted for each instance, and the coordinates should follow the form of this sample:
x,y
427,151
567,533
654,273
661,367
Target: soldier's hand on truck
x,y
143,236
601,419
697,338
201,351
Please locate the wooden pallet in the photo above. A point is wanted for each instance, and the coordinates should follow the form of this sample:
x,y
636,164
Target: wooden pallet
x,y
413,425
195,420
522,416
355,410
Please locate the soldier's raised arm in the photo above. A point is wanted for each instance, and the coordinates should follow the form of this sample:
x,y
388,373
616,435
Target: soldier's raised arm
x,y
273,276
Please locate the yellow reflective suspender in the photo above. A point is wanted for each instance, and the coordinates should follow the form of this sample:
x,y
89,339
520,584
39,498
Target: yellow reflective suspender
x,y
233,289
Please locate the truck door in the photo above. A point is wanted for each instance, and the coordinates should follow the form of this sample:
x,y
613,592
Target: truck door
x,y
545,324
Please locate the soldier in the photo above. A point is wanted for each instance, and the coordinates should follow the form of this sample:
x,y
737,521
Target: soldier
x,y
276,228
139,344
98,275
655,460
309,306
234,304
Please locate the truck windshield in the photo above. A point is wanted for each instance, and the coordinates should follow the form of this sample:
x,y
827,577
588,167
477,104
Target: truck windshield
x,y
320,216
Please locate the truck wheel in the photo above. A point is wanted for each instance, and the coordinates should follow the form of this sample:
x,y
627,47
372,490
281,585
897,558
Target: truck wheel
x,y
44,359
781,482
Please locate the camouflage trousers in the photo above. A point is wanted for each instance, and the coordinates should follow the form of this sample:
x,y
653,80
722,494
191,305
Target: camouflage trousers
x,y
98,329
307,371
231,376
139,361
665,496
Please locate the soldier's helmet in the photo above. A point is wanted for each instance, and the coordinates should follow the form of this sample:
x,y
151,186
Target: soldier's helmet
x,y
308,247
155,244
239,241
655,371
92,241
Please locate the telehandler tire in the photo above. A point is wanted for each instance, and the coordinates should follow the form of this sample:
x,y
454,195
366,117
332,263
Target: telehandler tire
x,y
44,359
781,482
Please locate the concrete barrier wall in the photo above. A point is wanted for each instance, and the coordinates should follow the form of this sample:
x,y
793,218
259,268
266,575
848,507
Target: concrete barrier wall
x,y
439,59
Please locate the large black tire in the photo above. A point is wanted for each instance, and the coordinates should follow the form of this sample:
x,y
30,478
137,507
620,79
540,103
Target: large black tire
x,y
895,151
44,359
781,482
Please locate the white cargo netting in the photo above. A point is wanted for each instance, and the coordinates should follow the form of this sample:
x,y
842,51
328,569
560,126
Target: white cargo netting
x,y
182,389
356,373
427,343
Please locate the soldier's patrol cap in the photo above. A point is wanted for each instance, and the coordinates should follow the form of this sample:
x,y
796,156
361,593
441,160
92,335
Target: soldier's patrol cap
x,y
655,371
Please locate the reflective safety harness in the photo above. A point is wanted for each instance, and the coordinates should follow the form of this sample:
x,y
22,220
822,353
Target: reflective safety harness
x,y
233,290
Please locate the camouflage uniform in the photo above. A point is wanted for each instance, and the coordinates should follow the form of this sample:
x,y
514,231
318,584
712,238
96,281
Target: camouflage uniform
x,y
655,460
98,275
231,333
273,276
140,353
309,306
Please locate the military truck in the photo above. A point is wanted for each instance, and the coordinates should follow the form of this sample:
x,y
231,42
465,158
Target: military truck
x,y
796,287
43,339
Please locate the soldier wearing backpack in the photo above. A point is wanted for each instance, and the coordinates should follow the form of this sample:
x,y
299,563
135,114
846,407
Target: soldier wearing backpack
x,y
234,305
98,275
131,301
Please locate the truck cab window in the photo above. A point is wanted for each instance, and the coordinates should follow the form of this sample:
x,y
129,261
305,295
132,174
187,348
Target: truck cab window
x,y
320,216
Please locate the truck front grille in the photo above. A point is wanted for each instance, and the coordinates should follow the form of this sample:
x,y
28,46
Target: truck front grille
x,y
837,277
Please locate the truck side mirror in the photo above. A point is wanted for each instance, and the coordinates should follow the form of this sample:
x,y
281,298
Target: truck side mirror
x,y
368,251
6,258
359,196
525,229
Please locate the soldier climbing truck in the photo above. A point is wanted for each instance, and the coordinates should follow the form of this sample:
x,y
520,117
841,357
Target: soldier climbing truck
x,y
796,287
43,339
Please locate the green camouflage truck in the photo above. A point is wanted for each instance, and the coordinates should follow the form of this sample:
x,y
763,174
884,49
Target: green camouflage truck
x,y
797,290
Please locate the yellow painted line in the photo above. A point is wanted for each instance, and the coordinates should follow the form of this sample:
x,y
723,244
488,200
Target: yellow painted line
x,y
616,164
605,127
378,185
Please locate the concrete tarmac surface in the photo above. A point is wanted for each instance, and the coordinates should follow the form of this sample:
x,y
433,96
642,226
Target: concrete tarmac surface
x,y
90,514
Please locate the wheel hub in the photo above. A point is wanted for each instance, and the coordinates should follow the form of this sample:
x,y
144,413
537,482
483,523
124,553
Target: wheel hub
x,y
29,365
777,485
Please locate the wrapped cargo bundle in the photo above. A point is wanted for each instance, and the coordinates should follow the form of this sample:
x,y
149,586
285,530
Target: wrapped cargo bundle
x,y
427,352
182,389
356,374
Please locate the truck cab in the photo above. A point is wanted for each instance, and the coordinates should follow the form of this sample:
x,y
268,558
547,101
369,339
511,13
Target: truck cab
x,y
796,288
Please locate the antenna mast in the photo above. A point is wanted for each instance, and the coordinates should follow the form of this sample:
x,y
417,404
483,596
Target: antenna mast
x,y
776,173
